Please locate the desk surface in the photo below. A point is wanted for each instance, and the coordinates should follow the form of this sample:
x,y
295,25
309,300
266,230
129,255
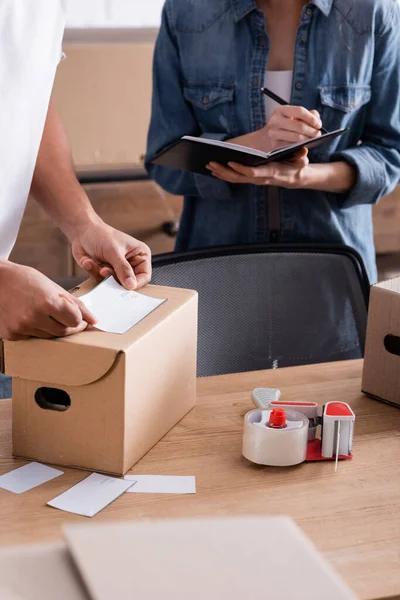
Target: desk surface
x,y
352,516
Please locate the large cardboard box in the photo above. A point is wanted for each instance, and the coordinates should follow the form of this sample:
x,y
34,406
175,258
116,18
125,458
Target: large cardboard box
x,y
100,401
381,374
230,559
103,93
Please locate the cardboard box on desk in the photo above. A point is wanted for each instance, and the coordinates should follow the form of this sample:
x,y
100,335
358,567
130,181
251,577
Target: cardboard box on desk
x,y
381,374
100,401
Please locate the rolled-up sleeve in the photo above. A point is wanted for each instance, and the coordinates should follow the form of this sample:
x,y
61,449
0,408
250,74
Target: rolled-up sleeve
x,y
377,158
172,117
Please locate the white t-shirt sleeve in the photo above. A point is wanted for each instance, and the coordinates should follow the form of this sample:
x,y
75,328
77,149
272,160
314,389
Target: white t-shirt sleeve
x,y
31,34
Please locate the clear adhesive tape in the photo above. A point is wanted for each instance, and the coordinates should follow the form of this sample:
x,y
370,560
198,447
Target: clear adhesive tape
x,y
275,447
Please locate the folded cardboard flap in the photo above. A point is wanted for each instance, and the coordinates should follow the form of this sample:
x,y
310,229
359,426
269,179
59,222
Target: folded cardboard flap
x,y
84,358
57,363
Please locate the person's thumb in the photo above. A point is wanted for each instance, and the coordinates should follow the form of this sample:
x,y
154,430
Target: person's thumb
x,y
123,270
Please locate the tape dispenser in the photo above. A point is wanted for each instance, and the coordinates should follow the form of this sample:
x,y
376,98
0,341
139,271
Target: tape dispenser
x,y
280,433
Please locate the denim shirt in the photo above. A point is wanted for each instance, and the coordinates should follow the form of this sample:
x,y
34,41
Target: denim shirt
x,y
209,64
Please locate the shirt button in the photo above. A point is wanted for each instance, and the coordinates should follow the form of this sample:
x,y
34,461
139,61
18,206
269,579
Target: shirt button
x,y
256,81
303,38
299,85
309,12
206,100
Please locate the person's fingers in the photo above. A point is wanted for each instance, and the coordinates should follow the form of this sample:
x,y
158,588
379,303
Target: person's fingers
x,y
317,115
225,173
106,272
47,325
265,171
284,137
91,266
302,114
299,160
296,126
141,264
122,269
64,310
85,312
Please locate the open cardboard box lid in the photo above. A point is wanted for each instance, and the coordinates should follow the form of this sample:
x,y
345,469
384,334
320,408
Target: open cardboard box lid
x,y
43,571
228,559
224,558
86,357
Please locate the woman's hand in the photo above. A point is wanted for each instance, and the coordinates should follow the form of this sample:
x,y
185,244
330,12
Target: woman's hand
x,y
291,174
292,124
288,125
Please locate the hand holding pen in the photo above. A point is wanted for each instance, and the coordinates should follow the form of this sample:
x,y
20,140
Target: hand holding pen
x,y
291,124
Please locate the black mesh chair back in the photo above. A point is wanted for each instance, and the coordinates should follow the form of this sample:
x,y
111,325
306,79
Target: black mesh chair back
x,y
263,307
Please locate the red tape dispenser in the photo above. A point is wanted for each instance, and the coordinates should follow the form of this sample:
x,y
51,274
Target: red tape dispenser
x,y
285,433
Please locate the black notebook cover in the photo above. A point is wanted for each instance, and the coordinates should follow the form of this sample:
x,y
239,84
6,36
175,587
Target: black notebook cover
x,y
193,154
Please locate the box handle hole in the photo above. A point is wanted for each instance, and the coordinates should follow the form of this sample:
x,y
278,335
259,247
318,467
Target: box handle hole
x,y
392,344
52,399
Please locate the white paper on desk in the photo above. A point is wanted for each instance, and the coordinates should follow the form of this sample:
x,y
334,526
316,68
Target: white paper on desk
x,y
91,495
117,309
161,484
28,477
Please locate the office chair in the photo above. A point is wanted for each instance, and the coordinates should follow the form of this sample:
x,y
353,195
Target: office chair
x,y
271,306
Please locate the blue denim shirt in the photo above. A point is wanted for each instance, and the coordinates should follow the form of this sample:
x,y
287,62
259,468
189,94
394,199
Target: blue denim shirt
x,y
210,61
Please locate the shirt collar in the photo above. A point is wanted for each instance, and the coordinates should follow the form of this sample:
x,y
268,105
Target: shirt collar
x,y
324,5
241,8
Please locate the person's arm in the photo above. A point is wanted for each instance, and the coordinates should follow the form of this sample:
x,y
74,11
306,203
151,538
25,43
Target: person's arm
x,y
172,117
55,185
98,248
377,159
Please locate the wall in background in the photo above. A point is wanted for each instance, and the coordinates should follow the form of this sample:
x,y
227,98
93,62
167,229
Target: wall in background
x,y
114,13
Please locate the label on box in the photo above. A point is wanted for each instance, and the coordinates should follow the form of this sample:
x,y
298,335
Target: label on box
x,y
117,309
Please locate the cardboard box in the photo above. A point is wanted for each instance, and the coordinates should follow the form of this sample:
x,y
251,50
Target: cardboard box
x,y
229,559
387,223
103,93
100,401
381,374
42,571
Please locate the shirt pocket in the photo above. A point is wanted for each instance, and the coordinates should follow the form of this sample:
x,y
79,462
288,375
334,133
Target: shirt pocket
x,y
213,106
340,107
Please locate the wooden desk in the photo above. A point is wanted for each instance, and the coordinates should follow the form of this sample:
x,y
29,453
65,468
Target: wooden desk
x,y
353,516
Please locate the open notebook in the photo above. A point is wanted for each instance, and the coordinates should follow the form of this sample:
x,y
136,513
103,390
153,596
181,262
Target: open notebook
x,y
194,153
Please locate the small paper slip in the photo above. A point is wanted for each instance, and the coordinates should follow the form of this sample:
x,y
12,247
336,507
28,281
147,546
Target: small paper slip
x,y
161,484
28,477
117,309
91,495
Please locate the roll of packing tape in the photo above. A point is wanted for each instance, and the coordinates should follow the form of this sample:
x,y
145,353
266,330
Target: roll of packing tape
x,y
275,447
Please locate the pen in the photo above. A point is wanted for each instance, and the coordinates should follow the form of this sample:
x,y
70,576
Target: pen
x,y
279,100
